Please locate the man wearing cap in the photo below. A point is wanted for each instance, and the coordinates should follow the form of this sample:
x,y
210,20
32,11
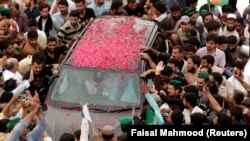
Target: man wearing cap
x,y
193,15
230,28
184,26
173,97
203,77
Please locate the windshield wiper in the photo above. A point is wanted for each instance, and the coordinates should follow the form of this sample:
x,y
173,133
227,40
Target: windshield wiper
x,y
71,108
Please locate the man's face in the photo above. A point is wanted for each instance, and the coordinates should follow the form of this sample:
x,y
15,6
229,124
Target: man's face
x,y
44,13
190,66
185,26
210,45
100,2
176,15
237,71
33,28
200,83
238,26
172,66
171,91
74,21
188,54
132,6
207,19
231,25
51,46
204,62
231,46
1,34
63,9
194,18
80,7
215,32
24,135
223,47
13,10
37,68
33,42
176,54
118,11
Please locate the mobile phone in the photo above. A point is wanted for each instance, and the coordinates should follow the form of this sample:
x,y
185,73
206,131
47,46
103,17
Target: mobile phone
x,y
150,83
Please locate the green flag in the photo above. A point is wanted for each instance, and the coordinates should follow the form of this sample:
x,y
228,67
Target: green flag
x,y
219,2
151,118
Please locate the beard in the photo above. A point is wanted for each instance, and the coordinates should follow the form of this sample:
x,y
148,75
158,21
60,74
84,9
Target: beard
x,y
50,50
192,70
176,18
118,13
232,50
44,17
230,28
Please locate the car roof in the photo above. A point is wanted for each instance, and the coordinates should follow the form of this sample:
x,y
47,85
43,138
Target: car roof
x,y
112,41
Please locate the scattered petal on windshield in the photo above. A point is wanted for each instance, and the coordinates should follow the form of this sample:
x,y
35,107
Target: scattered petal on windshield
x,y
103,51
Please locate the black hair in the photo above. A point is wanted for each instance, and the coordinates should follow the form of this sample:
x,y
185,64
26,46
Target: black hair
x,y
193,41
173,61
219,99
131,1
179,47
67,137
74,13
196,60
44,5
190,48
213,25
238,97
32,22
237,112
32,34
38,58
207,14
10,85
167,71
211,38
77,134
212,87
223,119
175,8
221,40
217,77
239,64
6,97
63,2
191,98
190,2
116,4
232,40
192,88
79,1
3,125
177,117
160,6
198,118
51,39
227,9
209,59
5,44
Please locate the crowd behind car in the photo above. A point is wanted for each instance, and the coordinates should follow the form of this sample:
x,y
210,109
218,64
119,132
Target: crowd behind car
x,y
198,73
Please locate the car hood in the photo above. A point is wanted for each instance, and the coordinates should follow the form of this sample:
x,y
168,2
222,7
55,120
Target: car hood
x,y
63,120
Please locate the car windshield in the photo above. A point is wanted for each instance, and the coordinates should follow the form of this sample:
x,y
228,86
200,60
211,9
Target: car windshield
x,y
101,88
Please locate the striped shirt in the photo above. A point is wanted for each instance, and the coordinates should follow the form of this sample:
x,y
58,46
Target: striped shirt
x,y
67,32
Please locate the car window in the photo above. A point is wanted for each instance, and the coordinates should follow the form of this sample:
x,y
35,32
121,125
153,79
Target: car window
x,y
97,87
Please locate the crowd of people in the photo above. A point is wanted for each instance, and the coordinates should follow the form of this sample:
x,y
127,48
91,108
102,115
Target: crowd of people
x,y
199,75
